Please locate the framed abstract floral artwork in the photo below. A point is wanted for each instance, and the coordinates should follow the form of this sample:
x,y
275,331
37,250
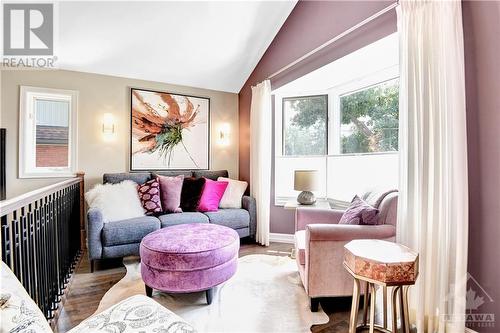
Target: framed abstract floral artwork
x,y
169,131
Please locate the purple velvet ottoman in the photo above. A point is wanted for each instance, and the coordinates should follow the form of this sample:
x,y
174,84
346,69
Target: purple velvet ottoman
x,y
188,258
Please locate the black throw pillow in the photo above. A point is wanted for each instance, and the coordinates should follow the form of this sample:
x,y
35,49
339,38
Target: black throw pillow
x,y
192,189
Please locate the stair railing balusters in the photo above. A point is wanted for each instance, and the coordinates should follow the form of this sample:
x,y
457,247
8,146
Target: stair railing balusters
x,y
41,235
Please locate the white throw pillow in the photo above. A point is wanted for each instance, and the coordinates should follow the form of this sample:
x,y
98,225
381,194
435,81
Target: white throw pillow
x,y
233,194
116,201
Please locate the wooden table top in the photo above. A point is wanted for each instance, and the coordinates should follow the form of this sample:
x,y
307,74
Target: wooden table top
x,y
381,261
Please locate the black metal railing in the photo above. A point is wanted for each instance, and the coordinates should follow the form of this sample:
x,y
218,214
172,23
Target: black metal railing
x,y
41,240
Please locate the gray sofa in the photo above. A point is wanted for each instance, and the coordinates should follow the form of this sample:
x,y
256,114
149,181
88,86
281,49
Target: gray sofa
x,y
122,238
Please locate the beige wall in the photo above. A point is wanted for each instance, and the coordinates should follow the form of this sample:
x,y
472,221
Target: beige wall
x,y
99,94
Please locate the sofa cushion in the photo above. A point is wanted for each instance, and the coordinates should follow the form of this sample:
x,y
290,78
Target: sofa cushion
x,y
115,178
234,193
171,188
211,195
192,188
149,193
300,246
168,220
233,218
128,231
210,174
115,201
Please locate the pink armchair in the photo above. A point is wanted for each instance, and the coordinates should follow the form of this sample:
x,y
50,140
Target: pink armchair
x,y
320,240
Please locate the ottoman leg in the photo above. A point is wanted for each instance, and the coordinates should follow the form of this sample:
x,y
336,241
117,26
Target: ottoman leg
x,y
209,293
149,291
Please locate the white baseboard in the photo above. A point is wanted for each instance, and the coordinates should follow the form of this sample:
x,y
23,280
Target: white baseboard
x,y
281,238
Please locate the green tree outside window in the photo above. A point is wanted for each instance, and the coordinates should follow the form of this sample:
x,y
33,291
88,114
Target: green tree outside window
x,y
305,125
370,119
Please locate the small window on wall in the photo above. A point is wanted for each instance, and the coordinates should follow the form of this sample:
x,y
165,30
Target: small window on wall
x,y
369,119
305,122
47,132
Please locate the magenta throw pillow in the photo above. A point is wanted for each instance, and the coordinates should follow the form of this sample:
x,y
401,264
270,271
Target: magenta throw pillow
x,y
212,195
149,193
360,212
171,188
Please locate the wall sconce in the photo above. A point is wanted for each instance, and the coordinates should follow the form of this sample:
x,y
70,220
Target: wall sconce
x,y
108,125
224,134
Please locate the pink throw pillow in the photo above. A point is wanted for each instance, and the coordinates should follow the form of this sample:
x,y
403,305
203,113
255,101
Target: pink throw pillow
x,y
149,193
359,212
211,195
171,188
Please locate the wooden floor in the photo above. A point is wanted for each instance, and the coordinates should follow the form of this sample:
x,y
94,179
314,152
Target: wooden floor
x,y
87,289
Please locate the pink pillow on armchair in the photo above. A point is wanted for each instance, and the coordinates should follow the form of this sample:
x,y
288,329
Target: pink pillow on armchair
x,y
360,212
211,195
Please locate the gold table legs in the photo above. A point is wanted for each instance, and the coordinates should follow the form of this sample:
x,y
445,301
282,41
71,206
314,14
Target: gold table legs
x,y
399,295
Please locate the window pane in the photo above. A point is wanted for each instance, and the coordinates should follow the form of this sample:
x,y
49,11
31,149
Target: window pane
x,y
304,125
369,119
349,175
52,130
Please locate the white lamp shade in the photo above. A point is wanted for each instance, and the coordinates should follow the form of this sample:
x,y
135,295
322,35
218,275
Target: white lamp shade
x,y
306,180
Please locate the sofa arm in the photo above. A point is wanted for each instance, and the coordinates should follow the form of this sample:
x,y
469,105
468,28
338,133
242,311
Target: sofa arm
x,y
248,203
95,224
347,232
306,216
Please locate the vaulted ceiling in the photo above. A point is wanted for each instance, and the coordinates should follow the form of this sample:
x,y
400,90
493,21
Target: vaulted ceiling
x,y
213,45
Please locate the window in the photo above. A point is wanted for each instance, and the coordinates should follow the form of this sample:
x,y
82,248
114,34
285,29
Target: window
x,y
305,125
47,132
344,124
369,119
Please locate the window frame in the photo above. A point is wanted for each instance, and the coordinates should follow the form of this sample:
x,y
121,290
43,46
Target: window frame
x,y
27,132
333,131
285,98
351,87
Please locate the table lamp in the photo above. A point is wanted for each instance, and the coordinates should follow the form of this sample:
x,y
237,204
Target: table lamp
x,y
306,181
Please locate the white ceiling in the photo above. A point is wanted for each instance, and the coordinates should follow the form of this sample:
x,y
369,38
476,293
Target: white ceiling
x,y
213,45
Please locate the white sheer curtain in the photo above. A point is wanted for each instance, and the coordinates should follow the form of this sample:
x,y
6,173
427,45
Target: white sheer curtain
x,y
433,206
260,156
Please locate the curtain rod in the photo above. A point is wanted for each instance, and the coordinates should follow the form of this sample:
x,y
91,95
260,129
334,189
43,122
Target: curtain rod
x,y
334,39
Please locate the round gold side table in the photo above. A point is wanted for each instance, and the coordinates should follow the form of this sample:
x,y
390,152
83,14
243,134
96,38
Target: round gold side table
x,y
384,264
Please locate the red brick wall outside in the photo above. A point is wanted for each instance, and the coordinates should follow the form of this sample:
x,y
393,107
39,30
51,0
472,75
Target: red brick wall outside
x,y
51,155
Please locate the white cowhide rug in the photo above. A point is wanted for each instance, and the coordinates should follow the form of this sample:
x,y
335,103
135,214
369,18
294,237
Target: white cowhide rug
x,y
265,295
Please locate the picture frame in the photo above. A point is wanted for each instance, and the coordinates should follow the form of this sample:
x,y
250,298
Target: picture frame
x,y
168,131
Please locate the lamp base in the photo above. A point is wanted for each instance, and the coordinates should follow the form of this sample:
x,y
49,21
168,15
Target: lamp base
x,y
306,198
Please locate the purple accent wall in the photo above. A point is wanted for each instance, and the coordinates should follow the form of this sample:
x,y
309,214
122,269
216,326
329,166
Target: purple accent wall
x,y
310,24
481,21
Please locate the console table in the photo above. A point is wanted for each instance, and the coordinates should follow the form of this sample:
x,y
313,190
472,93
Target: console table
x,y
293,204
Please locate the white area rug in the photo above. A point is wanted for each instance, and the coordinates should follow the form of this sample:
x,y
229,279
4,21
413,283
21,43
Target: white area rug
x,y
265,295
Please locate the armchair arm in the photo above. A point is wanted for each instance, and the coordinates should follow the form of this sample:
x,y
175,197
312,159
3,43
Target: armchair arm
x,y
347,232
324,254
95,224
306,216
248,203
